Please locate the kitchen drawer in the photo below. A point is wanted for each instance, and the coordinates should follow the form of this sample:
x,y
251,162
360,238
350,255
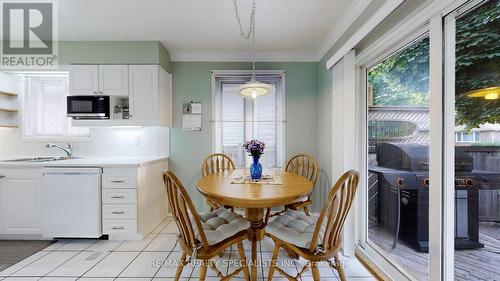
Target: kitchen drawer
x,y
119,196
119,226
119,180
119,212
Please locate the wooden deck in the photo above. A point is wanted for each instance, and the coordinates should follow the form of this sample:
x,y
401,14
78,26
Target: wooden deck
x,y
479,264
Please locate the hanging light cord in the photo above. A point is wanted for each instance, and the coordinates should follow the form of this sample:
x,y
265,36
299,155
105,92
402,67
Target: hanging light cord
x,y
251,30
251,27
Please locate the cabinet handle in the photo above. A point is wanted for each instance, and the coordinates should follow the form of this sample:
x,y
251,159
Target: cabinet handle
x,y
117,197
118,212
2,176
95,92
100,92
118,227
117,181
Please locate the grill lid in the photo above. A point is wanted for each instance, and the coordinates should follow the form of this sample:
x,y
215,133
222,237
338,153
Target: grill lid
x,y
403,156
415,157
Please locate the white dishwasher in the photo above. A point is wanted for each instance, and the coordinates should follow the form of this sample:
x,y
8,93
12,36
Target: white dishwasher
x,y
71,202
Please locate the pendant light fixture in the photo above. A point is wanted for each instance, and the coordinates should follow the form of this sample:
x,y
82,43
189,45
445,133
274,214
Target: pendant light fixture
x,y
254,88
491,93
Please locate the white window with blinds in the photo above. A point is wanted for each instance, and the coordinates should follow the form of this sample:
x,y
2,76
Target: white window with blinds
x,y
238,119
44,109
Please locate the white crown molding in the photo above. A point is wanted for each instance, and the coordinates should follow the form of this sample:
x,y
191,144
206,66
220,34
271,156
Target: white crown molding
x,y
334,35
249,71
344,23
242,56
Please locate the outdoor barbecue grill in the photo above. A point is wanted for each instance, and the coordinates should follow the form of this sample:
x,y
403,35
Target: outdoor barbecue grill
x,y
401,179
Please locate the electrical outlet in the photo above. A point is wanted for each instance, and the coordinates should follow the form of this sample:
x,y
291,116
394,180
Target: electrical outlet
x,y
137,140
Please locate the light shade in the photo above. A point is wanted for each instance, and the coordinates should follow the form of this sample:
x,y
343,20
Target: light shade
x,y
492,93
254,89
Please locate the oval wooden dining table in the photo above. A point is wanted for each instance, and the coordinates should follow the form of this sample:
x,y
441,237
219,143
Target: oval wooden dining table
x,y
254,197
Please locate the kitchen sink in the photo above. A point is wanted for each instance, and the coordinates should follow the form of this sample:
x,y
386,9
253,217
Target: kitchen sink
x,y
36,159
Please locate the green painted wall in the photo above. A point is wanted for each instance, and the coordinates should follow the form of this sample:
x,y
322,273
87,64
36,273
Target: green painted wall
x,y
114,52
192,81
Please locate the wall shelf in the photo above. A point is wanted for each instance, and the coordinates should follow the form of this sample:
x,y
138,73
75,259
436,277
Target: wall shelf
x,y
8,110
10,94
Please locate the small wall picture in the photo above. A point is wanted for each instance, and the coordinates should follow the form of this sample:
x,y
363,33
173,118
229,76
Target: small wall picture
x,y
191,116
186,108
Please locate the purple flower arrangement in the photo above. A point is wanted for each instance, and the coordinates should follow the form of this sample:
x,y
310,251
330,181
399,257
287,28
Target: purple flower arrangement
x,y
254,148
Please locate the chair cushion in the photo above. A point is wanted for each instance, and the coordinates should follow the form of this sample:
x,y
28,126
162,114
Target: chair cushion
x,y
221,224
301,200
305,198
296,228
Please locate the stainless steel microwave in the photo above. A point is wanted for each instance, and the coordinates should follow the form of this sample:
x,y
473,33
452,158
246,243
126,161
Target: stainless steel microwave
x,y
88,107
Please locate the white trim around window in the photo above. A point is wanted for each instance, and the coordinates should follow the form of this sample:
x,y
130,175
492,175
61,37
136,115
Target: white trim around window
x,y
448,208
436,147
239,76
461,136
367,247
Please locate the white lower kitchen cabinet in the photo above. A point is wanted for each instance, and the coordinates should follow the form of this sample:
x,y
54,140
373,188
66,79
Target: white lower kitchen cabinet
x,y
20,207
131,198
134,201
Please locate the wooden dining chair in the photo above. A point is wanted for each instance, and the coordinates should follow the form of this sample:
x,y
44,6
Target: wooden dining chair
x,y
315,239
204,236
216,163
302,165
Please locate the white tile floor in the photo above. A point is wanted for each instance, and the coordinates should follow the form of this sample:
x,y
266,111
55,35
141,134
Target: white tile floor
x,y
151,259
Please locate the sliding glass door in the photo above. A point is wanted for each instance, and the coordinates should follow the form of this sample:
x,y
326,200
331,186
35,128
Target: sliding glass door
x,y
431,110
398,156
476,50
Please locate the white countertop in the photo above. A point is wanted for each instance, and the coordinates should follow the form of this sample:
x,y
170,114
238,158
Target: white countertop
x,y
84,162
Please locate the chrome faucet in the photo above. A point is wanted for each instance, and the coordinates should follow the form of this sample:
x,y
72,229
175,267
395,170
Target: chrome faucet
x,y
68,150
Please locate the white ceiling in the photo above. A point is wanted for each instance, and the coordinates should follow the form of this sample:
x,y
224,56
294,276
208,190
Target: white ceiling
x,y
303,29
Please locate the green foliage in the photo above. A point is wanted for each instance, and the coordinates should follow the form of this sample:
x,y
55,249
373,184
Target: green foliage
x,y
403,78
478,64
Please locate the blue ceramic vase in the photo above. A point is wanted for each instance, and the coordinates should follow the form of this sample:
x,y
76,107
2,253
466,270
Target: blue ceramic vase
x,y
256,169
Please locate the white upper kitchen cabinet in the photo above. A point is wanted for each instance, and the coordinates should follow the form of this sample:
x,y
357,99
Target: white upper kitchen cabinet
x,y
105,80
149,94
84,80
21,208
113,80
144,92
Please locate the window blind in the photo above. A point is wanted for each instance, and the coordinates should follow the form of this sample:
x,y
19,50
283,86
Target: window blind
x,y
45,109
240,119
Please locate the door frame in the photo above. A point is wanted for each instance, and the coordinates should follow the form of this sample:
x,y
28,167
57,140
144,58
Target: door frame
x,y
388,265
448,209
434,20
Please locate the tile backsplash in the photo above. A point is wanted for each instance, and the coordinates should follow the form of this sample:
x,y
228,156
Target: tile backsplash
x,y
109,141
